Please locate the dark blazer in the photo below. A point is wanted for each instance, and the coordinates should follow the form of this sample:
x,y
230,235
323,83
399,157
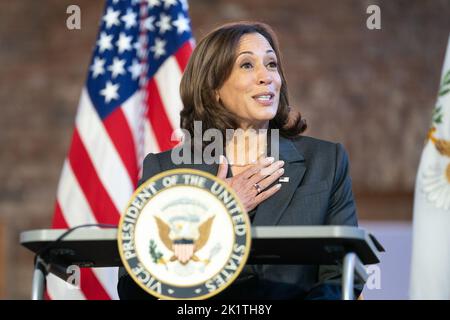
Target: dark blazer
x,y
319,192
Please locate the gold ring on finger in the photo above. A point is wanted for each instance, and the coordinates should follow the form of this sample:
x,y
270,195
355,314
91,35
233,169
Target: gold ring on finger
x,y
258,188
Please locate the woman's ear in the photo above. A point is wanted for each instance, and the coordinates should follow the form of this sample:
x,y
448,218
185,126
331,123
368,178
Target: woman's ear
x,y
216,92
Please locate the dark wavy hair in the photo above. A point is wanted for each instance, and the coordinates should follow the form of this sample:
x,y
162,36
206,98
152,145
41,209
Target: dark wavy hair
x,y
209,67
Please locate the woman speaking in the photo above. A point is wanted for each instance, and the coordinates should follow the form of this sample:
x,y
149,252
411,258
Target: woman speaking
x,y
235,80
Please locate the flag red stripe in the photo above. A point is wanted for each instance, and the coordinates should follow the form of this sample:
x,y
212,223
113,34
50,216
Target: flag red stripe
x,y
183,54
91,287
117,126
59,222
158,118
46,296
98,198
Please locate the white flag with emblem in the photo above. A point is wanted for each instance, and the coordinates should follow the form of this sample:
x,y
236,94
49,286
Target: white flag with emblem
x,y
430,266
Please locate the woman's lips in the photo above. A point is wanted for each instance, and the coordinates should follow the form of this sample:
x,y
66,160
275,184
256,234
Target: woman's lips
x,y
264,99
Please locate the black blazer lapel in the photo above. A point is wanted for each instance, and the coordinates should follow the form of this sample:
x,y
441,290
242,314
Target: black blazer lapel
x,y
271,210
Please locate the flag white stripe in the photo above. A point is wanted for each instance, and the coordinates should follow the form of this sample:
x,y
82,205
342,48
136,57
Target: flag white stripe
x,y
132,109
76,211
108,277
58,289
151,144
105,158
71,199
168,79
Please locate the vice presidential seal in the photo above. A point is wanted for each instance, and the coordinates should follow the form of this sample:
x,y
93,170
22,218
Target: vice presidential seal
x,y
184,235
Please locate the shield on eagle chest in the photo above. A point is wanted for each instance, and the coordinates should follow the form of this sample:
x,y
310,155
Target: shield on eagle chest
x,y
183,250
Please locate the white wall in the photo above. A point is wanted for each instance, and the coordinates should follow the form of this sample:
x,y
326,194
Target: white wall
x,y
394,269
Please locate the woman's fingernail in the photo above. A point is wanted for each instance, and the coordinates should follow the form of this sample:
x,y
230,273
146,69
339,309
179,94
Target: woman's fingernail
x,y
281,171
278,186
270,159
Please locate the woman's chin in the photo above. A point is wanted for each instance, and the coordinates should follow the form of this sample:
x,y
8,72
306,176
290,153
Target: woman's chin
x,y
265,115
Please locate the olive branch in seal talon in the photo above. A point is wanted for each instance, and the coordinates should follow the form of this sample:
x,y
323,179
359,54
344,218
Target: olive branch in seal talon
x,y
157,256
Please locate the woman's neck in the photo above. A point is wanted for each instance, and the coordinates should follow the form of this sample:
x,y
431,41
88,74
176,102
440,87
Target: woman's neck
x,y
247,146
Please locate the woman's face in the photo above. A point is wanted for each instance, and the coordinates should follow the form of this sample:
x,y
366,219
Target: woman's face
x,y
252,91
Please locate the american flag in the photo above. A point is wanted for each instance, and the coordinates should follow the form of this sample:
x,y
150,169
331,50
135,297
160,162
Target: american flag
x,y
129,106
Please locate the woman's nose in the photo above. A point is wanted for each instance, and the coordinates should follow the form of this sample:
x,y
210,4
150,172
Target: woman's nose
x,y
264,76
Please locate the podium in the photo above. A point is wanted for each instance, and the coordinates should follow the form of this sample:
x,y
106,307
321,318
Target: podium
x,y
326,245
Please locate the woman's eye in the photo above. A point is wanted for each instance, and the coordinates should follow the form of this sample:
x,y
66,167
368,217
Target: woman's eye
x,y
246,65
272,64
